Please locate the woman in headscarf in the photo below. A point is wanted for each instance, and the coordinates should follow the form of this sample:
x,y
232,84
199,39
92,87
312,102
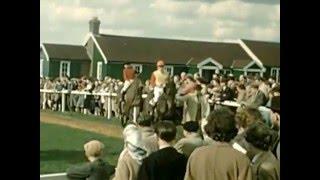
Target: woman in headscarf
x,y
132,155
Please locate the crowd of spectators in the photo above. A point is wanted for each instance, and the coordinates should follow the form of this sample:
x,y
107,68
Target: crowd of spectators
x,y
220,143
242,147
252,91
86,104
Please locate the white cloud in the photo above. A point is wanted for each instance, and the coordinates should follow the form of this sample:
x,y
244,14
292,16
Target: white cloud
x,y
265,33
124,32
67,21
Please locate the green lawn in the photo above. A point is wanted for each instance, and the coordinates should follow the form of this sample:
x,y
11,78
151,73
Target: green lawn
x,y
61,147
79,116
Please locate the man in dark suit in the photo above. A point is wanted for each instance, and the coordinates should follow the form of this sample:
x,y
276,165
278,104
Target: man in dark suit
x,y
265,166
166,163
226,92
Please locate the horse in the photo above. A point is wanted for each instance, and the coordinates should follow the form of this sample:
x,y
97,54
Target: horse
x,y
132,98
165,107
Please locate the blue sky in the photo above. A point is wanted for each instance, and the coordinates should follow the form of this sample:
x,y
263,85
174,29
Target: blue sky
x,y
66,21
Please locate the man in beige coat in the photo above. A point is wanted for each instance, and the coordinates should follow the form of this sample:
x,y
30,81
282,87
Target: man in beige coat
x,y
219,161
192,139
192,102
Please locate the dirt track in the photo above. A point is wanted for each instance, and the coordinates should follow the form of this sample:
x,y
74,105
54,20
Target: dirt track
x,y
96,127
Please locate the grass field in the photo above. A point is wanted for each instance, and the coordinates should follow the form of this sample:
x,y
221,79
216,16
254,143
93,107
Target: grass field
x,y
78,116
61,147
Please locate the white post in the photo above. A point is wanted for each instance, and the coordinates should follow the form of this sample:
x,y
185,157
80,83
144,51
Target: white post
x,y
135,114
44,103
109,105
63,101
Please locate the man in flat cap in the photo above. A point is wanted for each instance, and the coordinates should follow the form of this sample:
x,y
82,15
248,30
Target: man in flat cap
x,y
96,168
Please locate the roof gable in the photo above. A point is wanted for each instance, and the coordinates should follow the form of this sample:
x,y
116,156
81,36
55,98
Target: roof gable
x,y
147,50
267,52
240,64
63,51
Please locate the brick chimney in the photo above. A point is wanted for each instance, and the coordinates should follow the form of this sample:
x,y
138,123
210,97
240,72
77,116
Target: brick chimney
x,y
94,25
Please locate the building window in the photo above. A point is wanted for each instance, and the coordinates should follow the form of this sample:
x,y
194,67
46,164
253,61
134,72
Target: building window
x,y
137,67
227,71
169,69
41,67
275,72
64,68
99,70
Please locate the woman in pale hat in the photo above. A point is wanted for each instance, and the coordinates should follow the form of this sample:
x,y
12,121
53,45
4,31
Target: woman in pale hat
x,y
132,155
96,168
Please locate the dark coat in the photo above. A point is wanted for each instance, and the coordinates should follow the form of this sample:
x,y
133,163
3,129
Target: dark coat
x,y
96,170
164,164
226,94
266,167
256,100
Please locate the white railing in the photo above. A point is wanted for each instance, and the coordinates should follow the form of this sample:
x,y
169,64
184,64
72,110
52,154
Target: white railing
x,y
264,110
55,176
107,94
64,92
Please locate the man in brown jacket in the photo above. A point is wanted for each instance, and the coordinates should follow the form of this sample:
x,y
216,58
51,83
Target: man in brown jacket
x,y
219,161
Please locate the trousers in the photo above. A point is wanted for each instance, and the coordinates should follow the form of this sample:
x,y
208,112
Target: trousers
x,y
157,92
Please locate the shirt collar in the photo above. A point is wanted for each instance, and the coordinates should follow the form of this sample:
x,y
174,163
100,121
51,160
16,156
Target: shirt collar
x,y
255,158
164,146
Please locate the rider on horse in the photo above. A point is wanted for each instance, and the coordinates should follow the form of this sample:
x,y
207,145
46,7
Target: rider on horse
x,y
158,80
128,77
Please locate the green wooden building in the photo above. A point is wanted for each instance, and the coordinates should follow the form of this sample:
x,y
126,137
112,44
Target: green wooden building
x,y
265,55
63,60
109,52
103,55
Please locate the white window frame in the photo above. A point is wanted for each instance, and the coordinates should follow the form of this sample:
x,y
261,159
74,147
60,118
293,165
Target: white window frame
x,y
99,70
41,67
253,70
68,67
275,72
202,66
227,71
134,66
169,69
217,70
